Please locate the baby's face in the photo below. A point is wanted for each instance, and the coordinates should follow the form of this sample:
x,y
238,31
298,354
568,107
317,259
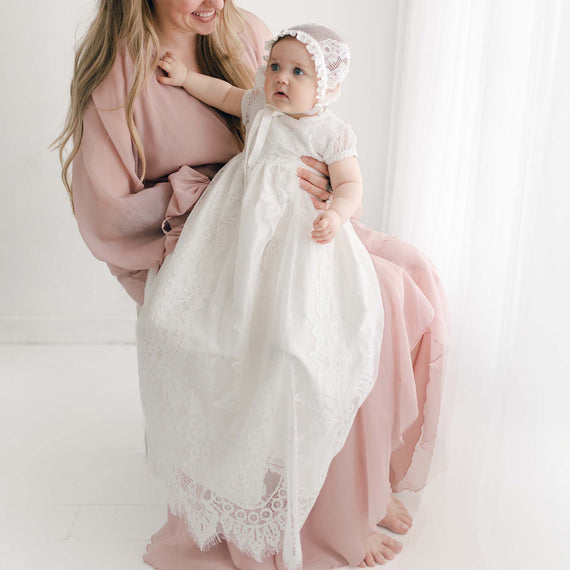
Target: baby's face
x,y
291,79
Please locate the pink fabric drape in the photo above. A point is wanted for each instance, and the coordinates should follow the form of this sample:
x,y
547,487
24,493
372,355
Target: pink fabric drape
x,y
356,491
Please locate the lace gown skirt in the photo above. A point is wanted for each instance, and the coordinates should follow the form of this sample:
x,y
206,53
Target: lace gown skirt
x,y
391,438
257,347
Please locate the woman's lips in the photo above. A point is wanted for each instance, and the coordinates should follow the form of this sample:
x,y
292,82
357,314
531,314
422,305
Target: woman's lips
x,y
205,16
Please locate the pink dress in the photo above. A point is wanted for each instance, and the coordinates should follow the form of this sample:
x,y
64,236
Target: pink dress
x,y
132,227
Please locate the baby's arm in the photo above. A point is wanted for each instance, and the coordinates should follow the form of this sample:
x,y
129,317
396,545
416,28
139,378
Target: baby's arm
x,y
214,92
346,183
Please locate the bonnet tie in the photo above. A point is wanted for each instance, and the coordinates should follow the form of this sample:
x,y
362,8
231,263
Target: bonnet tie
x,y
259,130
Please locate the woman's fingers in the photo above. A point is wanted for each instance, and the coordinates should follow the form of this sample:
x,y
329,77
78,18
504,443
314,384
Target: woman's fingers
x,y
317,165
320,205
313,183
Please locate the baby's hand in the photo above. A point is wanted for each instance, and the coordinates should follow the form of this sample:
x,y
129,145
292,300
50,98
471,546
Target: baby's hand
x,y
326,226
176,71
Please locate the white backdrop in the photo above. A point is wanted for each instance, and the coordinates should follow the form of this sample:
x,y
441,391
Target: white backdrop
x,y
51,287
479,175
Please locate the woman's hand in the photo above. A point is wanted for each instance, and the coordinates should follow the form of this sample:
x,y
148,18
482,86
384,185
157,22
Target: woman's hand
x,y
175,70
326,226
318,185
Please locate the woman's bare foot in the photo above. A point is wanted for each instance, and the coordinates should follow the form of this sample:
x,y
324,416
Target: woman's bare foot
x,y
397,518
379,548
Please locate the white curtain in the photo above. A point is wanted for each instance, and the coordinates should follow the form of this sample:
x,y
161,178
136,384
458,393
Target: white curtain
x,y
479,178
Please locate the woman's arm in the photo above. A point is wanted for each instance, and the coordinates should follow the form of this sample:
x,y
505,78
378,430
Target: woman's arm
x,y
129,225
210,90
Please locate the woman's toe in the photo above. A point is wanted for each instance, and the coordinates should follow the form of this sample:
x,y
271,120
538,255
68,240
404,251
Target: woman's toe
x,y
402,525
379,557
406,518
388,553
392,544
369,559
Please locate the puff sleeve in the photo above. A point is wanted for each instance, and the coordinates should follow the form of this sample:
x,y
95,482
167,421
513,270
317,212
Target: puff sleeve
x,y
253,100
343,145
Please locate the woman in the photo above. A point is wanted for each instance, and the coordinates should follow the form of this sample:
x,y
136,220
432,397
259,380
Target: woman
x,y
142,155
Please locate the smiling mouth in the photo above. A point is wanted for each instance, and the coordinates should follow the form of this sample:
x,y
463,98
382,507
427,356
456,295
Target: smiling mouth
x,y
205,16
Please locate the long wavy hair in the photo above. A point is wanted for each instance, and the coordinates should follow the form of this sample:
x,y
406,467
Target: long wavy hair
x,y
131,23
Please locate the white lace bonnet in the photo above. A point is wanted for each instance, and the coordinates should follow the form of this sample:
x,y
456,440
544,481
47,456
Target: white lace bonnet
x,y
330,54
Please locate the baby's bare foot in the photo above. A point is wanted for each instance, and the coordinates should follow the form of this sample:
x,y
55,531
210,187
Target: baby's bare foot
x,y
397,518
379,548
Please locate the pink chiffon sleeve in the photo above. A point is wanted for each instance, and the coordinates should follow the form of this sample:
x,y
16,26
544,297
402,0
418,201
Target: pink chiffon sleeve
x,y
127,224
122,220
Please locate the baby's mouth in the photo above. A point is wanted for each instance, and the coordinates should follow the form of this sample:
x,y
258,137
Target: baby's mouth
x,y
281,94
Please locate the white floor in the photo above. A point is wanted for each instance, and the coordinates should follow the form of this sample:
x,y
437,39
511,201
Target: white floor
x,y
76,491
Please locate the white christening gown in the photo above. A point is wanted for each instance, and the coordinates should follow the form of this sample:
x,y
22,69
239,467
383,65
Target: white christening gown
x,y
257,345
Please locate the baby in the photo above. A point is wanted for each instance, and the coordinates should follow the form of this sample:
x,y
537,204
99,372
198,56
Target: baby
x,y
291,85
257,342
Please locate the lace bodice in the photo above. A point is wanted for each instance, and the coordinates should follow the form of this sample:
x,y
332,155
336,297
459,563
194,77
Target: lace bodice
x,y
324,136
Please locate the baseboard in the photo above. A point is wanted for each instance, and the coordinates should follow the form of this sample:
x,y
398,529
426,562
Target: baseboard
x,y
67,330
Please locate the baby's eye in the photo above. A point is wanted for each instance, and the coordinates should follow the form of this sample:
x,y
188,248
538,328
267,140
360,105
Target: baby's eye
x,y
274,67
298,71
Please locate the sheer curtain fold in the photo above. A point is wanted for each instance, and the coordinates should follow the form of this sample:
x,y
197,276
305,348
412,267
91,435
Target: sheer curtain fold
x,y
478,178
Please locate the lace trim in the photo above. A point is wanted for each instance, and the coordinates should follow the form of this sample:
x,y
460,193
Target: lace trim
x,y
210,518
335,157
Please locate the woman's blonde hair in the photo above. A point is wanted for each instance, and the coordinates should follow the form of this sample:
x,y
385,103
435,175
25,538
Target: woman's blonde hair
x,y
131,23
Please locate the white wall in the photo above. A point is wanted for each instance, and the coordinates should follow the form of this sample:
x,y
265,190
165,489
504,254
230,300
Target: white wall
x,y
51,287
